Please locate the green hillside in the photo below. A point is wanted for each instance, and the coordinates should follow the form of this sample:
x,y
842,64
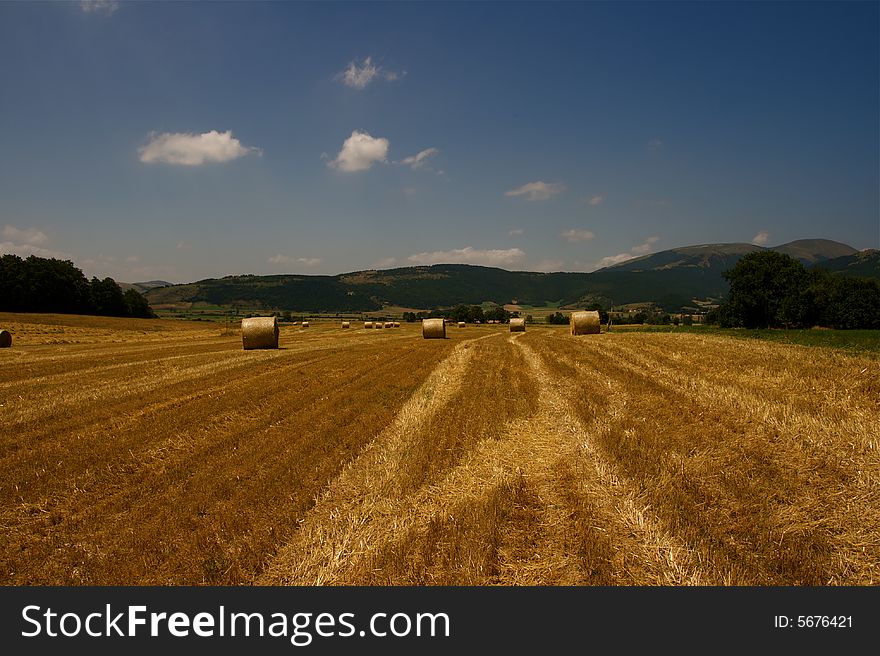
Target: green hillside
x,y
671,279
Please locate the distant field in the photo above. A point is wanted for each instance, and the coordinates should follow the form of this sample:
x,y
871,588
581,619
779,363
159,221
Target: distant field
x,y
159,452
866,342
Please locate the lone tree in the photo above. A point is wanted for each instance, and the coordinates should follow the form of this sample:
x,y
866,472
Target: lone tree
x,y
765,291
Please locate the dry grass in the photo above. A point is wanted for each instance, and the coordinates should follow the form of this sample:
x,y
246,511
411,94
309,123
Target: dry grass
x,y
160,453
183,464
763,460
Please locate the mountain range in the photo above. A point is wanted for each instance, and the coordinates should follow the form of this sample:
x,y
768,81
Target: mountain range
x,y
687,277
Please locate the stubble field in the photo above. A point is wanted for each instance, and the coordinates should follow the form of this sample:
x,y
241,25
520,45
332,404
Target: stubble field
x,y
159,452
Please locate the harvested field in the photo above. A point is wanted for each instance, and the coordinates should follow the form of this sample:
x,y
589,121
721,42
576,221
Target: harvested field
x,y
159,452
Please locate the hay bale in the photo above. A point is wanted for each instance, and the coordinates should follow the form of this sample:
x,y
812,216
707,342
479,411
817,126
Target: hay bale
x,y
368,324
346,324
378,324
305,324
517,325
259,333
461,324
5,339
389,324
584,323
397,324
434,328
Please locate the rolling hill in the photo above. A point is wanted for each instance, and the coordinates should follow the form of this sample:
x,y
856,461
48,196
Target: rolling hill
x,y
672,279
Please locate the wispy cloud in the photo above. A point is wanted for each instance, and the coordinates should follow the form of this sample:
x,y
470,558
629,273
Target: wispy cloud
x,y
537,190
25,235
655,144
515,232
548,266
358,76
26,250
359,152
646,247
468,255
385,263
106,7
761,238
642,249
575,235
28,241
596,200
183,246
187,149
418,161
301,261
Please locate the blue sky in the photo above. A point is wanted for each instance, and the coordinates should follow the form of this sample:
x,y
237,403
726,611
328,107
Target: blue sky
x,y
188,140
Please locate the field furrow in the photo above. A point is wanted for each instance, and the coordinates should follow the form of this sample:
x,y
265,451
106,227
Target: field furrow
x,y
205,493
358,512
160,452
762,492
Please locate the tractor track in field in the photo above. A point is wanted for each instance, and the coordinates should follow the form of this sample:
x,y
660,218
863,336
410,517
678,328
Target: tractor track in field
x,y
362,526
350,519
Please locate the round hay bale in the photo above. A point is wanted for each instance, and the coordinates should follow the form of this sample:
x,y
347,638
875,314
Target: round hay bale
x,y
5,339
434,328
461,324
346,324
305,324
397,324
584,323
389,324
378,324
368,324
259,333
517,325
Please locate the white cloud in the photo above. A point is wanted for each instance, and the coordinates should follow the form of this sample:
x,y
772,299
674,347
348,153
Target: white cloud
x,y
642,249
359,76
409,191
418,161
515,232
28,241
188,149
645,247
25,250
385,263
103,6
25,235
133,259
611,260
302,261
183,246
359,152
537,190
575,235
468,255
655,144
761,238
596,200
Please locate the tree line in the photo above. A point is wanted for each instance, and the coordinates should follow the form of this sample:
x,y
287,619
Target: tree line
x,y
38,284
466,313
773,290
